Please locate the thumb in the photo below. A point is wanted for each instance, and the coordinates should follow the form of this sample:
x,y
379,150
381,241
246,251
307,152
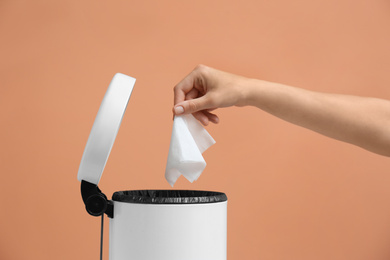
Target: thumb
x,y
191,106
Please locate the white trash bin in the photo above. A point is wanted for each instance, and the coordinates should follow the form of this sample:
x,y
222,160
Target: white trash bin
x,y
168,225
148,224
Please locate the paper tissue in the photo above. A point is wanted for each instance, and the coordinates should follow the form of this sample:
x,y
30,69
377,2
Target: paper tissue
x,y
188,141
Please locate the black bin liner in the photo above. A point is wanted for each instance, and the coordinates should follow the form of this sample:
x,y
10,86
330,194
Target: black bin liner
x,y
169,196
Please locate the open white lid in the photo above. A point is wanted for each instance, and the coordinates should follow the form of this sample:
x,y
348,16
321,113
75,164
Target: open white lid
x,y
105,128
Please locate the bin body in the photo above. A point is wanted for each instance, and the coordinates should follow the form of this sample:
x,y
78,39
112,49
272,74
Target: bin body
x,y
168,231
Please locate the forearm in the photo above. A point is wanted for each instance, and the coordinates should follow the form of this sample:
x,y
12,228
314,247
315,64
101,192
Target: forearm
x,y
364,122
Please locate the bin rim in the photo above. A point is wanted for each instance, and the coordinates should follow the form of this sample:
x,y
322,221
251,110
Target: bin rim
x,y
161,196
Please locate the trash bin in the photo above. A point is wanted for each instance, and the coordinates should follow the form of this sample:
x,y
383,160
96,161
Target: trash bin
x,y
148,224
168,225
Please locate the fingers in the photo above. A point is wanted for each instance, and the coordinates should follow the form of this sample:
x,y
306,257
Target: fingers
x,y
185,86
194,93
212,117
191,106
191,97
205,117
199,108
201,117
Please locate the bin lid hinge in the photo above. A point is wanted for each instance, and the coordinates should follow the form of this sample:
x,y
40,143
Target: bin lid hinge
x,y
96,202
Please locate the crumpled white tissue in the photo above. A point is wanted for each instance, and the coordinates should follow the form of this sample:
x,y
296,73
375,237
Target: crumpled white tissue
x,y
188,141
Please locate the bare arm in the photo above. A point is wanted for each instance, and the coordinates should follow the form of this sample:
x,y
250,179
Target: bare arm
x,y
361,121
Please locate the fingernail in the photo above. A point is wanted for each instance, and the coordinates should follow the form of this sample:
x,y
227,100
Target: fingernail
x,y
179,110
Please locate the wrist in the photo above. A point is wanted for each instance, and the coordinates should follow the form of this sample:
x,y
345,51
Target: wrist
x,y
252,92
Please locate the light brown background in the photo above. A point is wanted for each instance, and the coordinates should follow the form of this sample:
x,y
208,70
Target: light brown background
x,y
293,194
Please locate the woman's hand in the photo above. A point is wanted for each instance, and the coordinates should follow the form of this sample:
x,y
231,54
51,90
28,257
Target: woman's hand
x,y
206,89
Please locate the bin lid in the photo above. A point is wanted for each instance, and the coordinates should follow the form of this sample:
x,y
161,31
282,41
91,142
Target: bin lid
x,y
105,128
169,196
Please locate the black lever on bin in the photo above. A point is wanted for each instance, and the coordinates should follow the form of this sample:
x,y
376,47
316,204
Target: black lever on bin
x,y
95,201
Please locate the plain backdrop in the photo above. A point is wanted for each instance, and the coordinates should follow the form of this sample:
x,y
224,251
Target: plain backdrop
x,y
293,194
